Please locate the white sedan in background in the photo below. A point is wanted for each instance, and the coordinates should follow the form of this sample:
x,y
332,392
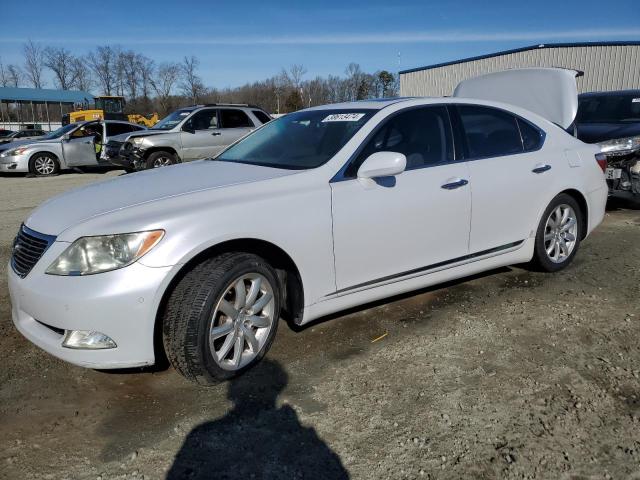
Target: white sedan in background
x,y
318,211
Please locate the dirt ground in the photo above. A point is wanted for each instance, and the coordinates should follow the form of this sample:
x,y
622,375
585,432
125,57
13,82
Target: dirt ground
x,y
510,374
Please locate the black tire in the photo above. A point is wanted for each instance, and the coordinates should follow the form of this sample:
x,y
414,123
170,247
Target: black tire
x,y
160,159
541,260
189,313
44,164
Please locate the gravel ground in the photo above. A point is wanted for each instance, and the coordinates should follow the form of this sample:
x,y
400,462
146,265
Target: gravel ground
x,y
510,374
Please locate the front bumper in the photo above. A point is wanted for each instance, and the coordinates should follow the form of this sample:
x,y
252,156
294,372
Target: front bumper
x,y
128,157
628,183
121,304
14,163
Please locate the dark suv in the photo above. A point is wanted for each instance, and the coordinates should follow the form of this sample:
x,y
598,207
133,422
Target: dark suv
x,y
612,120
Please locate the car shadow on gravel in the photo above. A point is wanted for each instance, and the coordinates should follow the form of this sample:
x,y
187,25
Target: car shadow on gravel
x,y
257,438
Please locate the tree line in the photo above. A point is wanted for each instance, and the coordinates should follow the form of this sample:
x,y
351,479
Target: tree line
x,y
150,86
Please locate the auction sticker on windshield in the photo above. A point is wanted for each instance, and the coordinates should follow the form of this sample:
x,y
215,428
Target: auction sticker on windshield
x,y
344,117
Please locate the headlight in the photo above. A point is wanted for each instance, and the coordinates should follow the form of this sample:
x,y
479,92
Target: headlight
x,y
620,145
13,152
137,140
89,255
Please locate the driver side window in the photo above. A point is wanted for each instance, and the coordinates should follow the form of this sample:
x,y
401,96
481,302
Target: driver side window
x,y
86,131
423,135
203,120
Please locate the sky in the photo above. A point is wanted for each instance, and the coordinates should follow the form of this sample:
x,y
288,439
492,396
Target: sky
x,y
244,41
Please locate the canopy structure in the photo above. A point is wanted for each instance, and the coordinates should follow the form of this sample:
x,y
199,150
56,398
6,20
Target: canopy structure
x,y
24,106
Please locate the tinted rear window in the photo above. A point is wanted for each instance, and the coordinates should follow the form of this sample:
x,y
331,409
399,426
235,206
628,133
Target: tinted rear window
x,y
609,109
489,132
531,136
263,117
234,119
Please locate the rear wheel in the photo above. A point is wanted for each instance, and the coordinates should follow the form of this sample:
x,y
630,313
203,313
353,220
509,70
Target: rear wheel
x,y
161,159
222,317
44,164
558,235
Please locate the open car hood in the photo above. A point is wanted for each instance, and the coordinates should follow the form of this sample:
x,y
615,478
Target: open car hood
x,y
550,92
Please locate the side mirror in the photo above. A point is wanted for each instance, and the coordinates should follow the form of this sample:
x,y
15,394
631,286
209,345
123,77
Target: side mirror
x,y
383,164
187,127
66,137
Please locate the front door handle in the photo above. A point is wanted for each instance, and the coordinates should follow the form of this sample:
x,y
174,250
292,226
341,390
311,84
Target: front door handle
x,y
540,168
216,134
456,184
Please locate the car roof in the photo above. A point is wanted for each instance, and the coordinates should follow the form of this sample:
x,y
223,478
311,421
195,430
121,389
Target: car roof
x,y
372,104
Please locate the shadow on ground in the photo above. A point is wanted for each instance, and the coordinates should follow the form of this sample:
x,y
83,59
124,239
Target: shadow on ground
x,y
256,439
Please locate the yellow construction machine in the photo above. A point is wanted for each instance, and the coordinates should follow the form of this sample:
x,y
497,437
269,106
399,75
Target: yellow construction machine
x,y
107,108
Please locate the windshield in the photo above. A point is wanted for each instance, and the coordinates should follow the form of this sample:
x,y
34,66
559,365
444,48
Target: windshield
x,y
170,121
59,132
609,109
298,141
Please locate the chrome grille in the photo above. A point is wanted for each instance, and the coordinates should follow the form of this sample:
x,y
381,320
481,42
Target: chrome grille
x,y
28,247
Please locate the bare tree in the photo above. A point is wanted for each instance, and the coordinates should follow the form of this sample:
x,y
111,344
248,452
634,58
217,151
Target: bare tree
x,y
103,62
82,74
130,72
61,62
296,72
14,76
146,67
354,79
119,74
164,82
191,84
4,78
281,83
33,63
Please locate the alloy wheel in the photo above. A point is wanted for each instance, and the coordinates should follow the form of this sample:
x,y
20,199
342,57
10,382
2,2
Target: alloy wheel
x,y
560,233
162,162
242,320
44,165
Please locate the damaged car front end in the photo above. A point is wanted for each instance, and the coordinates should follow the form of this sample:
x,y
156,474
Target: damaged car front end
x,y
623,166
125,154
611,120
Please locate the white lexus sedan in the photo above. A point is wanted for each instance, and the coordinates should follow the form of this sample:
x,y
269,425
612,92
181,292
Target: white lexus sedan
x,y
321,210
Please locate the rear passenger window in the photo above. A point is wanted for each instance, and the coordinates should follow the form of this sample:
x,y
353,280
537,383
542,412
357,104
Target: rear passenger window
x,y
489,132
423,135
260,115
117,129
531,136
235,119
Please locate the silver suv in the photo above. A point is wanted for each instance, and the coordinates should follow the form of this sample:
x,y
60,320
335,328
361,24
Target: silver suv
x,y
190,133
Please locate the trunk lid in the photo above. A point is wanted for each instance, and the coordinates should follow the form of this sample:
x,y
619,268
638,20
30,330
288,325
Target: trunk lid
x,y
550,92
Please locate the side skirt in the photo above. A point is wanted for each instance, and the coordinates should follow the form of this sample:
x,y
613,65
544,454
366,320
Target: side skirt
x,y
436,267
518,252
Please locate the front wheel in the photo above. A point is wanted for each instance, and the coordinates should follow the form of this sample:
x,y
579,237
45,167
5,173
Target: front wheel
x,y
161,159
44,165
222,317
558,235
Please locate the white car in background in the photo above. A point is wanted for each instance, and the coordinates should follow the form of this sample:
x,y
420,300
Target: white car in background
x,y
321,210
78,144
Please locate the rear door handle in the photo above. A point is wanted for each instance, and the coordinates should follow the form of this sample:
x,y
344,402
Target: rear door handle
x,y
216,134
456,184
541,168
